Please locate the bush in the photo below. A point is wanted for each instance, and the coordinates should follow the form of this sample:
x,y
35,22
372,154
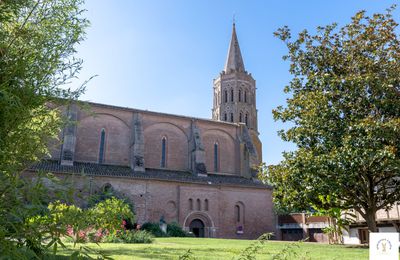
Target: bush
x,y
174,230
153,228
113,238
141,237
109,213
127,236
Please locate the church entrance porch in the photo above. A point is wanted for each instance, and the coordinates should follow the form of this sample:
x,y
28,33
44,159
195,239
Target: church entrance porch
x,y
200,224
197,228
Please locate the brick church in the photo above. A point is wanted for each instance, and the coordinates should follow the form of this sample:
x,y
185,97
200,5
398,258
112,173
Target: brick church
x,y
197,172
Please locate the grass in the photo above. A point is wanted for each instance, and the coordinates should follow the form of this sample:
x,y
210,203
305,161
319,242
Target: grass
x,y
207,248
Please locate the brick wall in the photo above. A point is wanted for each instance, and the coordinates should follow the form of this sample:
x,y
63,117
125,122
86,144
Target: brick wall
x,y
153,199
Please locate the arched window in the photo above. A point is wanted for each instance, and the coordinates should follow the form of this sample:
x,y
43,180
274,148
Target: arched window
x,y
245,97
216,158
240,95
225,117
225,96
198,204
231,95
237,213
206,204
190,204
240,117
102,144
232,117
246,120
164,152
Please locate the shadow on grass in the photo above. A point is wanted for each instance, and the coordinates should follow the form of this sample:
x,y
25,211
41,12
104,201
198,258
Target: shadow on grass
x,y
357,246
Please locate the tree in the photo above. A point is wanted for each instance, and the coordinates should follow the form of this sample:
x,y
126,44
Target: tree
x,y
37,47
37,60
345,111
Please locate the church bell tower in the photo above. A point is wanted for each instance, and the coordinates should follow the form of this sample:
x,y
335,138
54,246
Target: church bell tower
x,y
235,90
235,93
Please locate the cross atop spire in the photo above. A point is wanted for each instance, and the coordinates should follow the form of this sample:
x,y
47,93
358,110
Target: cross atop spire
x,y
234,61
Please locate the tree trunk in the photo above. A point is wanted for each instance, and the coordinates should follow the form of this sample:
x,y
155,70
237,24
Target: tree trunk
x,y
370,218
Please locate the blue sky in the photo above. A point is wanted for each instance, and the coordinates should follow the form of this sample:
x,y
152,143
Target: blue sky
x,y
163,55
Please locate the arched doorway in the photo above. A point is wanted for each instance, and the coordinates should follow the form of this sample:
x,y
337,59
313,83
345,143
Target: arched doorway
x,y
202,221
197,228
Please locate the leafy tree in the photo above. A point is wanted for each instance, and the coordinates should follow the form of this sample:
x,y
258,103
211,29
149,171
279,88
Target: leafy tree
x,y
61,220
37,47
345,114
37,59
110,213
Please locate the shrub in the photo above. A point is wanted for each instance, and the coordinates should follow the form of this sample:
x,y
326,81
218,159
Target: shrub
x,y
174,230
141,237
106,193
112,238
128,236
96,235
153,228
109,213
80,225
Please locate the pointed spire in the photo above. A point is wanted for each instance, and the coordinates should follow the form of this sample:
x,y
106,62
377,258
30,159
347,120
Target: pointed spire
x,y
234,59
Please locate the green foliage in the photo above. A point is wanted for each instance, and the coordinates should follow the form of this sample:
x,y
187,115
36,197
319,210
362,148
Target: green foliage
x,y
153,228
130,237
62,222
345,111
174,230
37,48
54,223
141,237
108,214
339,220
108,192
23,229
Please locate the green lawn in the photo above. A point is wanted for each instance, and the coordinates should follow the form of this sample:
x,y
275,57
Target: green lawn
x,y
207,248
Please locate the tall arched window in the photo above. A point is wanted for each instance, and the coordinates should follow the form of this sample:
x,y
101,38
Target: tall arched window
x,y
102,144
164,152
216,158
198,204
225,96
231,95
240,117
245,97
206,204
240,95
246,119
225,117
190,204
232,117
237,213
